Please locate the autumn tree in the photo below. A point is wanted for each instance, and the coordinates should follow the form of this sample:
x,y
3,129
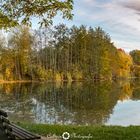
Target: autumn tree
x,y
21,43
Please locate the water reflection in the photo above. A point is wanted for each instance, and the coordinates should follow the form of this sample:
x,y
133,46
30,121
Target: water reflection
x,y
67,103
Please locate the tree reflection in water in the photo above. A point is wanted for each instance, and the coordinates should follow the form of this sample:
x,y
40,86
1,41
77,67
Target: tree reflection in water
x,y
64,103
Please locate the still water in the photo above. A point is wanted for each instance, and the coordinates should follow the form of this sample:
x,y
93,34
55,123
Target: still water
x,y
78,103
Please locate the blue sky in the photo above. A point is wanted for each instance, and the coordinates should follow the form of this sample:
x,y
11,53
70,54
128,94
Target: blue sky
x,y
119,18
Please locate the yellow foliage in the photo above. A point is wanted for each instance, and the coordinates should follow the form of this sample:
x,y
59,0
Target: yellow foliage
x,y
58,77
136,70
126,92
77,76
41,73
125,63
49,75
69,77
1,77
8,74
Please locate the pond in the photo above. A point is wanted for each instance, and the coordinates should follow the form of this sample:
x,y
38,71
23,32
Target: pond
x,y
79,103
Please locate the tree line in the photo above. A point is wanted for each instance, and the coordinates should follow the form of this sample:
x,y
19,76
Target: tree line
x,y
61,53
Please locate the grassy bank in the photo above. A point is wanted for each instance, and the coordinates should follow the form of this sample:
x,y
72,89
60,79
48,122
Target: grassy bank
x,y
93,132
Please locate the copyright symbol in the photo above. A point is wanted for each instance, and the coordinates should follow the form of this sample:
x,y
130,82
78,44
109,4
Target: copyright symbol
x,y
65,136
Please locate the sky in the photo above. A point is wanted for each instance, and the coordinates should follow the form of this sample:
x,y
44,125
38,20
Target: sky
x,y
119,18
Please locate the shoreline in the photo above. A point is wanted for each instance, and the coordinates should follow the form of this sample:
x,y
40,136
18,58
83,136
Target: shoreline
x,y
17,81
54,81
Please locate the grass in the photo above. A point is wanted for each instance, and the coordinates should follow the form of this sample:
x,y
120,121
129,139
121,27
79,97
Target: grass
x,y
94,132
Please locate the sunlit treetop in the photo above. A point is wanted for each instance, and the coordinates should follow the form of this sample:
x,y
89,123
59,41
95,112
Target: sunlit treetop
x,y
22,11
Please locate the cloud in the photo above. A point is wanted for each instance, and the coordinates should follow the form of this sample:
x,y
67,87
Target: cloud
x,y
126,45
133,4
119,18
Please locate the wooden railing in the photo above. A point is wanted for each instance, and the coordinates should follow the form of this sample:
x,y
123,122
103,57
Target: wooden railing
x,y
13,131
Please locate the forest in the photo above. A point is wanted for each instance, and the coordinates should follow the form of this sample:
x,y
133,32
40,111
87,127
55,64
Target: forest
x,y
62,53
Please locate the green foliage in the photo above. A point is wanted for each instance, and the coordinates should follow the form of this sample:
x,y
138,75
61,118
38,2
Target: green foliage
x,y
136,70
77,75
136,56
40,73
46,9
69,77
50,75
6,22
